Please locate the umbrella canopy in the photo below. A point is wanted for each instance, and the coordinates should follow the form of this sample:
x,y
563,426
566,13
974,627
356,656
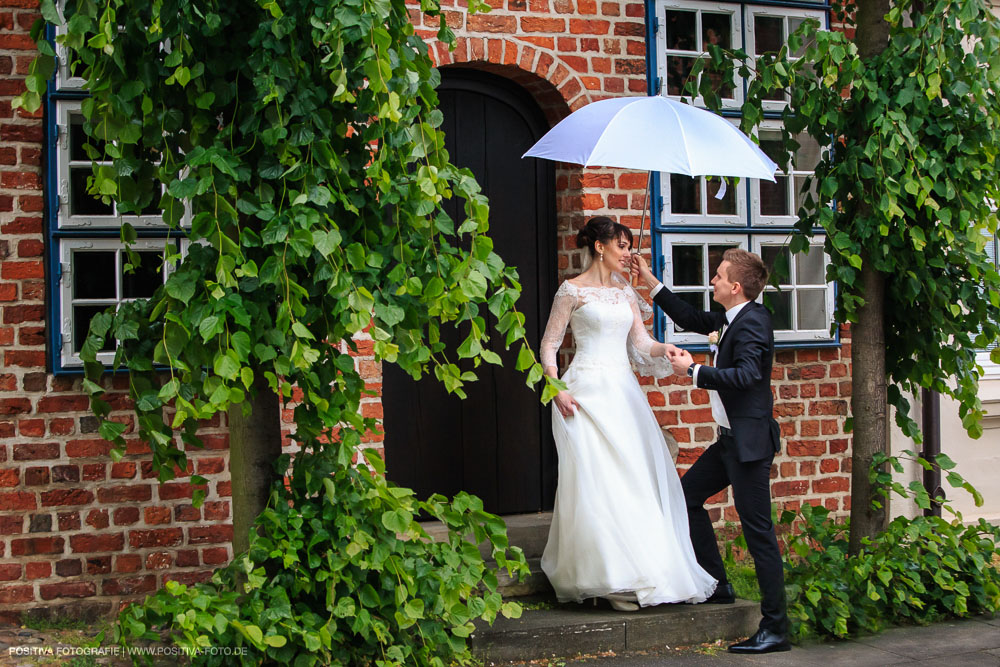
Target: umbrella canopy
x,y
655,134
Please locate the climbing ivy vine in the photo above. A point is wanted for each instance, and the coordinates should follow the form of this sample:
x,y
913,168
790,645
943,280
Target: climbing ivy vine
x,y
296,145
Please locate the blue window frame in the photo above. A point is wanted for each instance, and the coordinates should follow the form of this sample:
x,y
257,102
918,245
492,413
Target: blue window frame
x,y
690,227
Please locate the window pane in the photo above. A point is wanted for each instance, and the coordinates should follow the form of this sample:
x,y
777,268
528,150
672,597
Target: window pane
x,y
715,253
770,255
697,301
678,68
93,274
688,265
768,34
793,25
81,324
153,208
724,206
810,268
716,29
780,305
800,196
681,31
77,138
812,309
685,194
807,155
774,196
146,277
81,203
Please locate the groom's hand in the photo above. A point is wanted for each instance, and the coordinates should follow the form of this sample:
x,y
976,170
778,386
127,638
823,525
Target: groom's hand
x,y
681,359
641,271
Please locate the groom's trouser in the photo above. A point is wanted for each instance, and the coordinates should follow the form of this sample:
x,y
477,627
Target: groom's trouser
x,y
714,470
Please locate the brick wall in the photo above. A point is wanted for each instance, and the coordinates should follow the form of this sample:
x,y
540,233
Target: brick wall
x,y
81,534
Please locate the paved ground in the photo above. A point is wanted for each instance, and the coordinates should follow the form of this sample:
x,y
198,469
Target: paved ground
x,y
972,642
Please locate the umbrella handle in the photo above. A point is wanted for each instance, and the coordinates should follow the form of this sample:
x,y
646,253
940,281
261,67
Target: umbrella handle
x,y
642,223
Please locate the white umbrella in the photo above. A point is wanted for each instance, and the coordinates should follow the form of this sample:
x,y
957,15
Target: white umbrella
x,y
655,134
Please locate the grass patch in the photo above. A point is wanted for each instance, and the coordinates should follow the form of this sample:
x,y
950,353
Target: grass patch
x,y
43,624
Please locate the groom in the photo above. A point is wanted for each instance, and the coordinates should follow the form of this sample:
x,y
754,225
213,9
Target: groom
x,y
740,391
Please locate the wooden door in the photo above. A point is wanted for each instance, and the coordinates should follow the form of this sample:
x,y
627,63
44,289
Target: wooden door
x,y
497,443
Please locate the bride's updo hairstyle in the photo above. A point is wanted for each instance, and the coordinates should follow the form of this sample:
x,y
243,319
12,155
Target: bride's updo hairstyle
x,y
603,229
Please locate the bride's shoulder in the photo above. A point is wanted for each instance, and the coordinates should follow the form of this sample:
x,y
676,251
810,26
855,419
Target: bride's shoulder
x,y
568,287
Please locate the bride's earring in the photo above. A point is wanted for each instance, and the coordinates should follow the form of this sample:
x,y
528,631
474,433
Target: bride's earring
x,y
602,255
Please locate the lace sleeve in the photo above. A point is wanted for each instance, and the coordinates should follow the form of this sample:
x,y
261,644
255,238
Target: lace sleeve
x,y
640,345
563,306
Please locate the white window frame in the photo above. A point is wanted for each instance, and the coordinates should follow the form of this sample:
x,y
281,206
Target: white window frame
x,y
738,219
66,109
784,13
991,371
67,247
791,173
795,334
669,240
736,30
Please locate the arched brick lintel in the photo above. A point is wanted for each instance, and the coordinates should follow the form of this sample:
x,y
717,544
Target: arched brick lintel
x,y
554,84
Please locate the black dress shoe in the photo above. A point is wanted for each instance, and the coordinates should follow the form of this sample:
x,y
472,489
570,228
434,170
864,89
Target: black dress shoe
x,y
724,594
764,641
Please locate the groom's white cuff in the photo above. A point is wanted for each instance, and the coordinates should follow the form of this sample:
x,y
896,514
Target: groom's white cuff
x,y
656,289
694,376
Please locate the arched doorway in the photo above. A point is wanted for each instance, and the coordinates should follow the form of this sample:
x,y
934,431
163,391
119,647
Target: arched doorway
x,y
497,443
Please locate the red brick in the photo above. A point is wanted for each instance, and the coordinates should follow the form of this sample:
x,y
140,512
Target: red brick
x,y
806,448
10,571
215,556
491,23
66,497
162,537
34,546
98,519
589,26
62,426
828,408
123,470
188,578
539,24
16,594
125,516
10,477
70,567
126,493
128,563
35,476
93,472
65,474
14,406
98,564
807,468
11,524
158,560
63,404
37,570
36,451
187,558
68,589
831,484
22,270
31,428
69,521
697,416
629,29
187,513
17,500
157,515
87,448
210,534
111,542
209,466
129,585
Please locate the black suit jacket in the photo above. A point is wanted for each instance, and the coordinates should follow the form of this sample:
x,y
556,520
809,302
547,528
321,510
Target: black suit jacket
x,y
742,371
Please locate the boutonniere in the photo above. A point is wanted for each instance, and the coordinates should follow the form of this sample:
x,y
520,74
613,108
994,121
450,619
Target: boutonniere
x,y
713,341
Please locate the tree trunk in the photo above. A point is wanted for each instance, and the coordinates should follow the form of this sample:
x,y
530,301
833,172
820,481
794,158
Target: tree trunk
x,y
868,381
254,444
868,407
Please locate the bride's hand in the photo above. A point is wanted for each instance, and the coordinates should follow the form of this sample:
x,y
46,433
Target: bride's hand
x,y
670,350
566,404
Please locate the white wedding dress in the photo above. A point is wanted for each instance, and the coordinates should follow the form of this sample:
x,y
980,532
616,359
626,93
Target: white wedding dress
x,y
619,524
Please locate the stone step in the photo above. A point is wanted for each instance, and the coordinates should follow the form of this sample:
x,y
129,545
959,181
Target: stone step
x,y
533,585
575,629
528,531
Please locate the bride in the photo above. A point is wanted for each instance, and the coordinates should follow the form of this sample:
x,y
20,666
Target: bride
x,y
619,525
